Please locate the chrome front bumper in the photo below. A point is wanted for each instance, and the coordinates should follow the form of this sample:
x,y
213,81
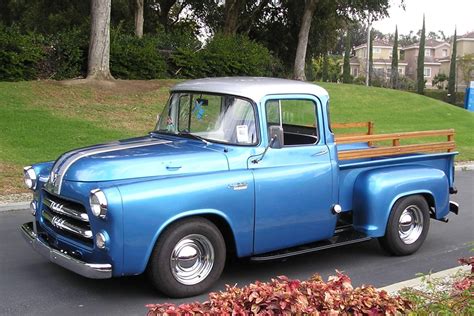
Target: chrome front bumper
x,y
89,270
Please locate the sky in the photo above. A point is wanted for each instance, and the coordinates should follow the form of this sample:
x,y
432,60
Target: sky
x,y
439,15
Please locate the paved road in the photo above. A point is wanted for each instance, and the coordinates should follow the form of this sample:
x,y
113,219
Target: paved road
x,y
29,285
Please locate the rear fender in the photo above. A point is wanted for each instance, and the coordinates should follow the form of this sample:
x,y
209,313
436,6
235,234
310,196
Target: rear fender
x,y
377,190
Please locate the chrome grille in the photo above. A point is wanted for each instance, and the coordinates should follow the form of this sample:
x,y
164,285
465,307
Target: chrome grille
x,y
66,217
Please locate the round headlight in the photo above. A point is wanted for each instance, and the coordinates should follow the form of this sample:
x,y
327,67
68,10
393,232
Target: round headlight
x,y
100,240
98,203
29,177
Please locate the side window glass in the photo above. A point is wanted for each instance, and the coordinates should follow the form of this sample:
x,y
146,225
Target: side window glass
x,y
298,119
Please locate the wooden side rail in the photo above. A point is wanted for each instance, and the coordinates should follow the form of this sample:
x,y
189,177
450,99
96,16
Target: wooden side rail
x,y
396,148
368,125
347,139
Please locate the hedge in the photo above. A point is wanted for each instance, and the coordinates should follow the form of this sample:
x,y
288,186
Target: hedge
x,y
20,54
29,56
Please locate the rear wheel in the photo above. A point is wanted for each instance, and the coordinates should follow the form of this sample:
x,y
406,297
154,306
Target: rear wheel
x,y
188,258
407,226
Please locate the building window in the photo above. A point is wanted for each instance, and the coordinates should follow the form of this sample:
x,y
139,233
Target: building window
x,y
445,52
379,72
355,71
427,72
428,52
400,71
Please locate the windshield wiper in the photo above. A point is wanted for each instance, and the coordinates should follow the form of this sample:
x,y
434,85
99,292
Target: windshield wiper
x,y
188,134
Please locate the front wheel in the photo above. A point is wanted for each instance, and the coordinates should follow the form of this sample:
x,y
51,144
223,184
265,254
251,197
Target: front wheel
x,y
407,226
188,258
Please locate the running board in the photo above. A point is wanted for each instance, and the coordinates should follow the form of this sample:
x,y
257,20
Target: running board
x,y
342,239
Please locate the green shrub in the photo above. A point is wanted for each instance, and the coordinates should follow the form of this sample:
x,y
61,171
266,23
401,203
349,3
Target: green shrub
x,y
283,296
360,80
136,58
443,96
333,68
226,56
443,296
66,55
19,54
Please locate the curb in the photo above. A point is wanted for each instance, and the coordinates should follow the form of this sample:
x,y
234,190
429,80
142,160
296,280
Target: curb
x,y
14,206
464,166
396,287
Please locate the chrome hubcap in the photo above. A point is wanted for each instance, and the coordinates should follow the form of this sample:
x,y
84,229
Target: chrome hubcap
x,y
192,259
410,224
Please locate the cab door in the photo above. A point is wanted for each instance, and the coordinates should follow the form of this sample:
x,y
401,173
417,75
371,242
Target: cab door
x,y
293,184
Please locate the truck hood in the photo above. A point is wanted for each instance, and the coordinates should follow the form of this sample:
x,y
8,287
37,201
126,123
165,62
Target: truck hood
x,y
137,158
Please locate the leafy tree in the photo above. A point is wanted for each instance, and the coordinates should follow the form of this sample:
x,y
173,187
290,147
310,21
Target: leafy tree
x,y
357,32
466,66
420,78
325,68
439,80
346,69
394,68
452,73
408,39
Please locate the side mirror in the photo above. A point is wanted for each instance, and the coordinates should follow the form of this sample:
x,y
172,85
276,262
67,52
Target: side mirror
x,y
276,136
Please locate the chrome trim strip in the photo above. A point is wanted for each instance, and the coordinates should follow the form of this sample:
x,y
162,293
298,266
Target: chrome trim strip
x,y
238,186
62,224
64,210
60,170
89,270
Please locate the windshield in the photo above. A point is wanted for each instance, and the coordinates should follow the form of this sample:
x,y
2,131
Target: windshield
x,y
220,118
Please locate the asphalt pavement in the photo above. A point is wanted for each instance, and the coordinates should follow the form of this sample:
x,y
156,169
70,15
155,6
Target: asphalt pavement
x,y
30,285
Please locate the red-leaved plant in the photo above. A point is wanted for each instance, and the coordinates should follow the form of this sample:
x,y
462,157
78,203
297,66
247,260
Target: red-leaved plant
x,y
282,296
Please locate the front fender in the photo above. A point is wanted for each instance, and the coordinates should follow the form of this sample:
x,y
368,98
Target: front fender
x,y
150,206
377,190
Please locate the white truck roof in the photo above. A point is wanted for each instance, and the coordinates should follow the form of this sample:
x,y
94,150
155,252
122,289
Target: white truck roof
x,y
254,88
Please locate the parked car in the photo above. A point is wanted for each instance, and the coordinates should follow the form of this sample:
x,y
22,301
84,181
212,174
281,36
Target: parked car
x,y
244,167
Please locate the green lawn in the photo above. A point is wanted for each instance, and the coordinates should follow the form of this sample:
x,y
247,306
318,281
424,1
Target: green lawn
x,y
39,120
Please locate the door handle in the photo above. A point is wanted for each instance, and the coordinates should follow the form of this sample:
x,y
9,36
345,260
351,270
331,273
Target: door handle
x,y
321,152
173,168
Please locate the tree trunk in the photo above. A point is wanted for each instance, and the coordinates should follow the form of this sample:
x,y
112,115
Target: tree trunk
x,y
232,10
309,9
164,13
99,46
139,18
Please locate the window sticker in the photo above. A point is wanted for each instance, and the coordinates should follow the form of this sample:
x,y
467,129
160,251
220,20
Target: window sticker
x,y
242,133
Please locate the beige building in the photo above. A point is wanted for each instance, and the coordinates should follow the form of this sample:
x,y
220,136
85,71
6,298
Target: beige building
x,y
382,60
437,60
435,51
464,46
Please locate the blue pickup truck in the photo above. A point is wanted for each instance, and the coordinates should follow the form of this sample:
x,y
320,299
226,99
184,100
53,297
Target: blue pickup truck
x,y
236,167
